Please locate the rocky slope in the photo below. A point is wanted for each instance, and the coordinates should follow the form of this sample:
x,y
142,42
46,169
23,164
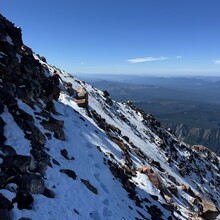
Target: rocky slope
x,y
209,137
108,161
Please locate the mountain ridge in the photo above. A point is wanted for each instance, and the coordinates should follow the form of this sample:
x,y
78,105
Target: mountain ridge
x,y
108,161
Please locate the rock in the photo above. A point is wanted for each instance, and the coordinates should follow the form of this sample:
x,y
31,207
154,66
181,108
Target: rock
x,y
38,136
2,137
168,199
106,94
209,210
19,162
55,126
69,173
126,138
83,103
56,162
3,178
5,203
5,207
89,186
64,153
82,93
8,150
4,214
184,187
42,160
153,177
69,88
24,199
173,190
33,183
49,193
40,155
145,169
155,212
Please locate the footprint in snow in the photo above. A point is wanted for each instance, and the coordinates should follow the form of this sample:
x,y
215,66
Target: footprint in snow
x,y
106,212
96,175
95,215
97,165
105,202
104,188
91,155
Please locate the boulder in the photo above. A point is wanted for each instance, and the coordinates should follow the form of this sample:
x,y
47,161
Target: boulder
x,y
4,214
69,173
153,177
5,203
209,210
33,183
8,150
69,88
18,162
5,207
82,102
41,160
89,186
145,169
65,154
82,93
56,128
2,137
24,199
49,193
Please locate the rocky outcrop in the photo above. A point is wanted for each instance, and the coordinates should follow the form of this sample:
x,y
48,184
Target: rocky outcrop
x,y
5,207
209,137
22,77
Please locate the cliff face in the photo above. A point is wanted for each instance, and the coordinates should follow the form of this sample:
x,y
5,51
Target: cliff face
x,y
208,137
109,160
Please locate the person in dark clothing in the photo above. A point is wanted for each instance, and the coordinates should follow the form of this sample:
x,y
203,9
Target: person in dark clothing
x,y
56,78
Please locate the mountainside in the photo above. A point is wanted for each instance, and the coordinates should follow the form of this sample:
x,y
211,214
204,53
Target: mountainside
x,y
189,106
109,160
194,135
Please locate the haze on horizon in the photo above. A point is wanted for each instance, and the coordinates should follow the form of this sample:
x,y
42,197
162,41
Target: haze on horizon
x,y
153,37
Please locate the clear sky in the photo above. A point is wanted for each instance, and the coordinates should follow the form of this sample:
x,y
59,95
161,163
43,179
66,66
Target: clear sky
x,y
122,36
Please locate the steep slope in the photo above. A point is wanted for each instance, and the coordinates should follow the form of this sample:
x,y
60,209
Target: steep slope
x,y
107,161
207,136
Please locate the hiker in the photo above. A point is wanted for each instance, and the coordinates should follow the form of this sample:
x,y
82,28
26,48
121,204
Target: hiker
x,y
56,78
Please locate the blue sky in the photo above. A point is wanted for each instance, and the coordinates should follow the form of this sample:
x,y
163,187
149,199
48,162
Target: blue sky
x,y
124,37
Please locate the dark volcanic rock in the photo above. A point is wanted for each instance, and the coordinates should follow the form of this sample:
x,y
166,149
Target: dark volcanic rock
x,y
18,162
8,150
5,207
33,183
89,186
24,199
69,173
2,138
55,126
